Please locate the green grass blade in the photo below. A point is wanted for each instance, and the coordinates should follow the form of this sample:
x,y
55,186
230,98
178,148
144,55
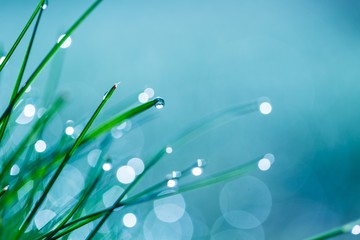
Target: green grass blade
x,y
47,59
227,175
64,161
218,178
195,131
346,228
4,190
81,201
18,40
107,126
21,73
97,171
156,158
36,128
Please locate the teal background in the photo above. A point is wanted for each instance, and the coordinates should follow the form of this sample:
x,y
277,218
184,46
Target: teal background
x,y
204,56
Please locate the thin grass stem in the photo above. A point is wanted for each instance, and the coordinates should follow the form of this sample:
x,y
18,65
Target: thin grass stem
x,y
47,59
20,75
18,40
346,228
64,162
190,134
36,128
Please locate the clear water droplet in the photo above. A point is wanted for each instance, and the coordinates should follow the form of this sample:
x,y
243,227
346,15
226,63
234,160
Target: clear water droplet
x,y
45,5
159,103
200,162
67,41
2,59
69,129
173,174
172,183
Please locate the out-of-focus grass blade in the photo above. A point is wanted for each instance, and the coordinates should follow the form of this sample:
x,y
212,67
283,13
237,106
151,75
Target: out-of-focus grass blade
x,y
218,178
64,161
96,171
36,128
193,132
346,228
227,175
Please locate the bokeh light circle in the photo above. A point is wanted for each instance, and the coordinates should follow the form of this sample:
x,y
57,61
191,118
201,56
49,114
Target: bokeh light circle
x,y
169,209
245,202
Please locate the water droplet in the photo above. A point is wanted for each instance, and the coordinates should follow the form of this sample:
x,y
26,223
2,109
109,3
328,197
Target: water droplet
x,y
107,167
45,5
66,43
29,110
201,162
2,59
69,130
356,230
129,220
197,171
265,108
173,174
40,146
264,164
14,170
159,103
172,183
169,150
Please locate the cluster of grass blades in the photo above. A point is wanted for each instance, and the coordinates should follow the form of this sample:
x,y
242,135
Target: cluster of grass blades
x,y
22,196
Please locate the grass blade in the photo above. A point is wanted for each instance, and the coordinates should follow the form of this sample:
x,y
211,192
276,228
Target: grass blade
x,y
21,73
64,161
107,126
18,40
47,59
195,131
346,228
36,128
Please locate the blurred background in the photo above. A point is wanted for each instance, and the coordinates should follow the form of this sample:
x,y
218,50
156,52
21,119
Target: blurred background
x,y
202,57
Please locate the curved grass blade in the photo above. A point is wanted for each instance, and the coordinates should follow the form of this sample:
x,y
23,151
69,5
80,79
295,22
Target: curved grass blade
x,y
346,228
227,175
64,161
107,126
18,40
195,131
36,128
47,59
21,73
97,171
227,115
